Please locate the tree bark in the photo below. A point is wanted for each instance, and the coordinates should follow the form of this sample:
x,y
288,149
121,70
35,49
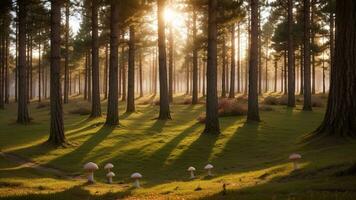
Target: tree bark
x,y
164,112
291,67
195,60
233,63
105,82
140,73
39,71
56,136
223,75
96,107
131,73
171,52
66,54
253,112
212,125
307,78
112,118
22,110
340,116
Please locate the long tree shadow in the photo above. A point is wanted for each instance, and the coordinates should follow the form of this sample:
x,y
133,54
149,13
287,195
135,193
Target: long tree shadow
x,y
78,155
77,192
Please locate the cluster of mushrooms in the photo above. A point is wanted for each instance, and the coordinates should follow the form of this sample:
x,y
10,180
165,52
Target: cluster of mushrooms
x,y
91,167
208,167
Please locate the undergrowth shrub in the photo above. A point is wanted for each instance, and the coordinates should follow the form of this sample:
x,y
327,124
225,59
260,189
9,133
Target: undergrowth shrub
x,y
270,100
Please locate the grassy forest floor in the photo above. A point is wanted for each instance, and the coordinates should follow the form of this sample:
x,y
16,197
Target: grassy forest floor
x,y
250,158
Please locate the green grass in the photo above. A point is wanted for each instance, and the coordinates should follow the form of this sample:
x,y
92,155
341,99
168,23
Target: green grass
x,y
251,159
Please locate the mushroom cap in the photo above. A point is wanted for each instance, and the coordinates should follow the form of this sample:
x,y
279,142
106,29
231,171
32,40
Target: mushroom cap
x,y
136,175
209,166
110,174
191,169
109,166
91,166
295,156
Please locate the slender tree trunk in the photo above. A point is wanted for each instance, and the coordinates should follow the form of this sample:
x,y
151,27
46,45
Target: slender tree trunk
x,y
22,110
96,108
253,112
302,70
2,69
164,112
233,63
223,75
307,79
141,74
16,60
275,75
313,44
212,119
131,73
266,67
238,58
39,71
195,59
105,83
340,116
171,52
291,67
86,70
204,79
123,66
56,136
66,54
112,117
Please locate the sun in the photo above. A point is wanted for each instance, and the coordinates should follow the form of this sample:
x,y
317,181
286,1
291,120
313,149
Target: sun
x,y
174,17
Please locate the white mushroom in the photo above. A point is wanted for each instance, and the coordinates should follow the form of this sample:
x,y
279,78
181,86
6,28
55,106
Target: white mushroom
x,y
108,167
191,170
209,167
295,158
136,176
110,175
90,167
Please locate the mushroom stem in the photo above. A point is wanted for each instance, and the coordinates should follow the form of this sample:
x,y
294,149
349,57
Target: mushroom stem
x,y
192,174
137,183
295,165
209,172
91,177
110,180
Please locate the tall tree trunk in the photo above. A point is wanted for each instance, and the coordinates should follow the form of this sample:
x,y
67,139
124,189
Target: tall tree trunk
x,y
164,112
340,116
96,108
56,136
302,69
212,125
223,75
313,45
233,63
16,59
2,69
66,54
253,112
171,52
195,59
22,110
238,58
307,79
123,73
140,73
39,71
204,79
275,75
291,67
131,73
112,117
86,70
266,67
105,82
